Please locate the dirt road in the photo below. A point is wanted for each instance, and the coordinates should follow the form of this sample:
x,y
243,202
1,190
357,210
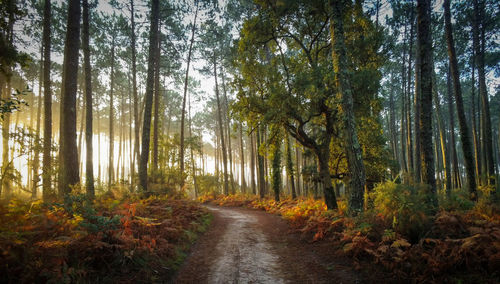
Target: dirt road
x,y
248,246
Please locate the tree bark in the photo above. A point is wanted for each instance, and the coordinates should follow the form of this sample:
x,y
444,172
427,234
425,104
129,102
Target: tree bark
x,y
260,163
252,163
89,164
276,171
464,129
111,113
136,154
186,80
425,54
479,33
219,116
442,139
289,165
156,102
68,155
242,160
148,104
454,158
351,143
36,158
228,128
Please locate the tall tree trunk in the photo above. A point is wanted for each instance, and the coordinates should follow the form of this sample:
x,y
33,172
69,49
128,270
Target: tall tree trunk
x,y
148,104
136,153
454,158
252,163
89,165
242,160
276,170
404,164
156,103
186,80
80,136
477,154
289,165
442,139
68,155
299,188
260,163
111,169
417,175
228,128
219,112
193,164
353,148
36,159
409,136
464,129
479,33
425,53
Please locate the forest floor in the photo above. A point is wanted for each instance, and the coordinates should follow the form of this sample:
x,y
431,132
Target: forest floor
x,y
249,246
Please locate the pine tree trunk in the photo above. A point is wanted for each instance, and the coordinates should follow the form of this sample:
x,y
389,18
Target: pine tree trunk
x,y
260,163
228,128
409,136
156,102
477,154
417,175
252,164
289,165
219,116
425,53
89,165
454,158
442,139
479,34
36,158
276,171
183,113
353,148
464,129
68,155
148,102
242,160
111,169
136,154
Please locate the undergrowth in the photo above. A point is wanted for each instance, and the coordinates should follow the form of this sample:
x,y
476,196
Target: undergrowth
x,y
105,241
461,243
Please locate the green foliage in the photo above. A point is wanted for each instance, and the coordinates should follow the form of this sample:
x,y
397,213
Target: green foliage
x,y
405,206
208,184
81,206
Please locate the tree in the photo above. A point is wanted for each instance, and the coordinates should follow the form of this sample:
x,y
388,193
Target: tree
x,y
68,154
89,165
342,82
464,129
424,50
183,114
221,127
135,155
146,127
47,102
478,33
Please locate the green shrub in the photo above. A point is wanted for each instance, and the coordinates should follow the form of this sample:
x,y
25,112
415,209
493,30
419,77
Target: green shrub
x,y
406,207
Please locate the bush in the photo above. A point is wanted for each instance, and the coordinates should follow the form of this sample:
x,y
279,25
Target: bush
x,y
407,207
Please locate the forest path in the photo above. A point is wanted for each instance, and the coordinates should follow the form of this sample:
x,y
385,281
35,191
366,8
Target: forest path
x,y
249,246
